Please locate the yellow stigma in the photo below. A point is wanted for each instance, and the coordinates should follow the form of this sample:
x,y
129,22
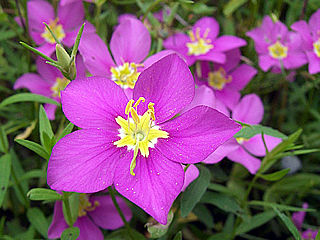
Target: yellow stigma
x,y
218,79
241,140
137,132
85,205
199,45
125,75
316,48
60,85
278,51
56,29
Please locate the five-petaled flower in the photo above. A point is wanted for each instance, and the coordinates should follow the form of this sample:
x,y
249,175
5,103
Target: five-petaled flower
x,y
137,145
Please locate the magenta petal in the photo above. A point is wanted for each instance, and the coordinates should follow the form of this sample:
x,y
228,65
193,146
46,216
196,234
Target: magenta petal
x,y
228,96
309,234
208,24
130,42
266,62
93,102
314,62
50,111
34,83
222,151
249,110
190,175
156,57
106,215
84,161
47,72
39,11
95,55
58,224
71,15
226,43
232,60
303,29
241,76
298,217
177,42
156,184
194,135
256,147
167,83
295,60
314,23
213,56
244,158
88,230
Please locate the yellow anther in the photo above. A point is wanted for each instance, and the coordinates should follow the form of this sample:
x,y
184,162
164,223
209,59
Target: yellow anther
x,y
218,79
128,107
199,45
205,35
135,116
141,99
57,31
191,35
316,48
134,160
278,51
198,33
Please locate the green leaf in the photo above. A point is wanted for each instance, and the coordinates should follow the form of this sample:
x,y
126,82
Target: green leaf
x,y
158,230
27,97
195,191
41,194
318,236
4,145
204,215
255,221
5,170
68,129
250,131
178,236
220,236
71,233
46,133
222,201
38,221
276,175
35,147
279,206
232,6
289,224
123,234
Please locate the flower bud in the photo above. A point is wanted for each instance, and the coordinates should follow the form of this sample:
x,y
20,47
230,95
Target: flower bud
x,y
68,70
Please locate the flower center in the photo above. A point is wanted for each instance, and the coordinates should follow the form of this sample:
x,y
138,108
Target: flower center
x,y
241,140
85,205
60,85
316,48
218,79
56,29
198,45
137,132
125,75
278,51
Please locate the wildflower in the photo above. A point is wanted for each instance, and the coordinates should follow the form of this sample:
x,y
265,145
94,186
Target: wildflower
x,y
94,212
298,218
277,46
202,43
136,145
48,82
310,34
249,110
65,25
227,80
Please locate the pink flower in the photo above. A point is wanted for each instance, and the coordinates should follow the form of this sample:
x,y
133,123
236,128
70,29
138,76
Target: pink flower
x,y
136,145
249,110
65,25
48,82
189,176
276,45
310,34
227,80
202,42
94,212
64,2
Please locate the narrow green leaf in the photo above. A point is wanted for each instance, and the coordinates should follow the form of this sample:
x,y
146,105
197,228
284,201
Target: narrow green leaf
x,y
289,224
68,129
41,194
279,206
35,147
5,170
232,6
252,130
71,233
195,191
276,175
38,221
27,97
222,201
220,236
178,236
318,236
46,133
76,44
37,52
4,145
204,215
255,221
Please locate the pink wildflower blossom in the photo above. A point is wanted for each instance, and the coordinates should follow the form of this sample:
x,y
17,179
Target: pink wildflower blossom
x,y
136,145
298,218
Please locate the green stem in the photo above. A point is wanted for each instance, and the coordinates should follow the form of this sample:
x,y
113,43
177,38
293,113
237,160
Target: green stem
x,y
67,207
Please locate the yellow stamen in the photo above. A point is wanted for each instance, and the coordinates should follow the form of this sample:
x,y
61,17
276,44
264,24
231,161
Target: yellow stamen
x,y
198,45
60,85
218,79
57,30
141,99
135,116
125,75
316,48
85,205
128,107
278,51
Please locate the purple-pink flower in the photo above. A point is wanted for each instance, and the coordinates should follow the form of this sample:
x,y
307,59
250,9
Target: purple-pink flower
x,y
48,82
136,145
277,46
65,25
94,212
203,43
227,80
249,110
310,35
298,218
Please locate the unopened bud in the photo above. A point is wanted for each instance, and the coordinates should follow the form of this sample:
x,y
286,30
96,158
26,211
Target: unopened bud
x,y
62,57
